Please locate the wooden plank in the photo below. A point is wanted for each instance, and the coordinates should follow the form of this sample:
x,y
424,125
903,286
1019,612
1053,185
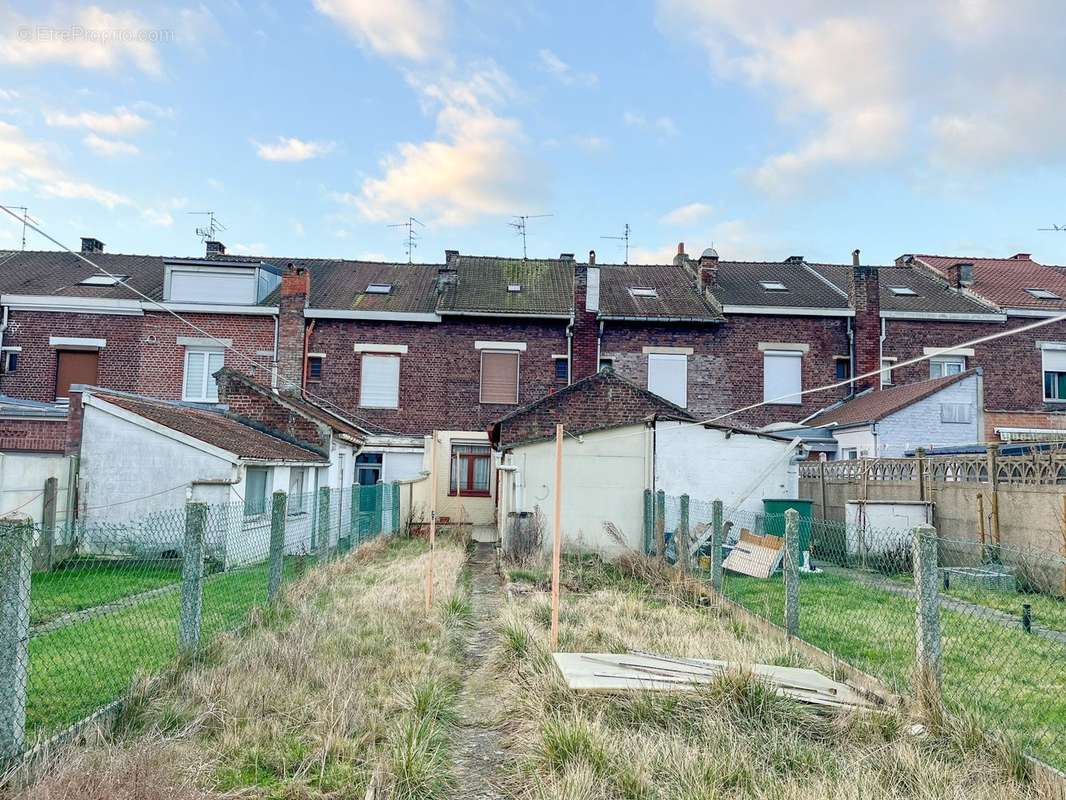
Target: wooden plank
x,y
753,560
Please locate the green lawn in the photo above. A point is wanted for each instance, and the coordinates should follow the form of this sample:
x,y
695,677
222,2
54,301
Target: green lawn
x,y
84,583
1016,682
81,667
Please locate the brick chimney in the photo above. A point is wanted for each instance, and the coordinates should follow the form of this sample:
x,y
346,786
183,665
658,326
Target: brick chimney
x,y
864,296
72,439
215,248
448,272
707,275
681,259
585,340
295,289
962,274
91,245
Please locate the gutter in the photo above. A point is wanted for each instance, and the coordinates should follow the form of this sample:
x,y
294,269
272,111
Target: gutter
x,y
504,314
627,318
274,366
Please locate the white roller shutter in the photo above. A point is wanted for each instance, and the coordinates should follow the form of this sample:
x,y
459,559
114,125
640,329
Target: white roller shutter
x,y
668,377
379,385
782,376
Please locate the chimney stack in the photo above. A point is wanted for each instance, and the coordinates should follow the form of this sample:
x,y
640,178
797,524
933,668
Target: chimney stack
x,y
91,245
864,296
292,301
448,272
592,258
707,275
585,332
215,248
962,274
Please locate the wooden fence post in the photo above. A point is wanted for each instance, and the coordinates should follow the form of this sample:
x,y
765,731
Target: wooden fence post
x,y
717,536
276,567
48,525
557,536
16,564
927,618
790,568
681,536
192,578
993,483
822,487
920,453
660,525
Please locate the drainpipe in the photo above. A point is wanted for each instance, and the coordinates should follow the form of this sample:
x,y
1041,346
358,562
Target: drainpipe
x,y
851,356
599,346
570,350
881,348
3,330
274,363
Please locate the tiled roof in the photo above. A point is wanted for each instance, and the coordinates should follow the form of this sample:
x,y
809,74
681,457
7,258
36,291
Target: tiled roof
x,y
1004,281
675,287
739,283
598,402
481,285
880,403
46,272
930,295
341,284
215,428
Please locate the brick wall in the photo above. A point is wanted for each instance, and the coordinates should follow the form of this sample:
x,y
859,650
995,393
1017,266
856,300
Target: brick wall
x,y
37,435
440,373
295,289
585,346
725,371
258,405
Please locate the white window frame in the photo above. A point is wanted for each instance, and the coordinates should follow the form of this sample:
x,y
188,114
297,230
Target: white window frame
x,y
888,363
206,381
267,481
378,356
297,476
667,359
942,362
773,397
1057,352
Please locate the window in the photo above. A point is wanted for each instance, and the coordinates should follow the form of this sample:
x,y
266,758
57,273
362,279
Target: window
x,y
11,360
903,291
256,481
379,288
850,453
1043,294
887,364
103,280
956,413
222,286
297,488
946,365
643,291
368,468
75,366
782,376
514,287
200,366
773,286
314,369
843,367
1055,374
379,383
606,363
562,368
668,377
470,469
499,377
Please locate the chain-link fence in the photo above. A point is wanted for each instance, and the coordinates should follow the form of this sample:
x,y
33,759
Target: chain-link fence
x,y
982,626
85,609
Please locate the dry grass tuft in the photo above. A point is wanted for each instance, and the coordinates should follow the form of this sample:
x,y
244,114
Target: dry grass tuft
x,y
733,738
345,679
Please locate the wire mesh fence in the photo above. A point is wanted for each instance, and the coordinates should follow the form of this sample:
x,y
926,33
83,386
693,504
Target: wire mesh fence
x,y
106,604
996,647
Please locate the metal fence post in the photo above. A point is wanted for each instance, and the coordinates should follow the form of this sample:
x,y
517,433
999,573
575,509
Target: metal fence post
x,y
790,568
681,536
649,520
927,617
192,577
323,523
353,533
395,507
16,561
275,571
717,535
660,525
48,525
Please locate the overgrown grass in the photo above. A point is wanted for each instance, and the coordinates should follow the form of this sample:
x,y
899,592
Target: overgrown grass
x,y
346,682
1014,682
79,584
734,738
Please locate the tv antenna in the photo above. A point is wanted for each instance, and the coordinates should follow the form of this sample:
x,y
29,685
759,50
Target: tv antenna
x,y
25,218
519,225
213,226
624,238
412,235
1059,228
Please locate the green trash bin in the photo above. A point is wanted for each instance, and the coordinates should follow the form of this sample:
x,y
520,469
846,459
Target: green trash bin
x,y
775,518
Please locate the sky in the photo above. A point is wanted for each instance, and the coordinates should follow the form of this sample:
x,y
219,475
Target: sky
x,y
766,128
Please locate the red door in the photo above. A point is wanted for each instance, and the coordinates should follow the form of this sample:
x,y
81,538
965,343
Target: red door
x,y
75,366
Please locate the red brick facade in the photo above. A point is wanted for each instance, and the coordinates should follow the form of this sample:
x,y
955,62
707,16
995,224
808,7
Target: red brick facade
x,y
584,356
35,435
257,406
864,295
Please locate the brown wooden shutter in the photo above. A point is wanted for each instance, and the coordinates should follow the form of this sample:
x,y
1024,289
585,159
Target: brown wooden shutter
x,y
499,377
75,366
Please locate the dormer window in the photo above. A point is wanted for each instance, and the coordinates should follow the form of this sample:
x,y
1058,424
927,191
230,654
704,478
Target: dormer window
x,y
219,282
514,287
1043,294
379,288
773,286
103,280
643,291
902,291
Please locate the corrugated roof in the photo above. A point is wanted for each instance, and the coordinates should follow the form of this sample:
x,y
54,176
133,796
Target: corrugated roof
x,y
739,283
215,428
930,295
481,285
1004,281
676,294
880,403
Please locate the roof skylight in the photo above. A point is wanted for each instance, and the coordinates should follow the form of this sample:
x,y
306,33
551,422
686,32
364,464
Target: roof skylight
x,y
773,286
514,287
103,280
643,291
903,291
379,288
1043,294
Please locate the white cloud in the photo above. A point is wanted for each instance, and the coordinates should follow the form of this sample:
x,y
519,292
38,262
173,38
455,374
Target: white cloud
x,y
734,239
110,148
289,148
157,216
662,125
26,163
412,29
8,95
120,122
253,249
591,142
553,65
90,38
476,166
687,214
